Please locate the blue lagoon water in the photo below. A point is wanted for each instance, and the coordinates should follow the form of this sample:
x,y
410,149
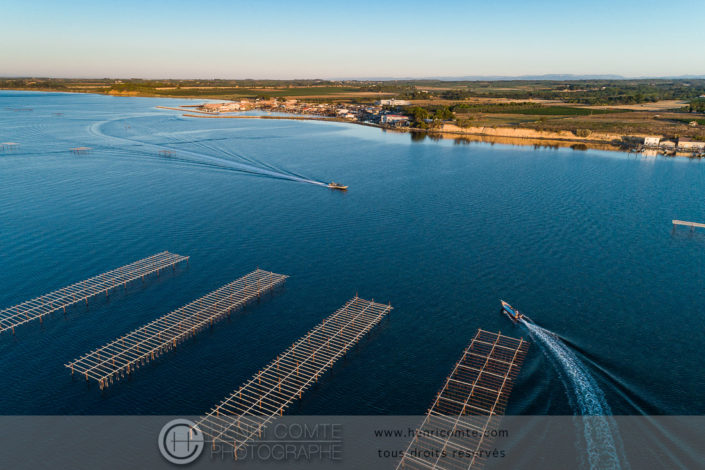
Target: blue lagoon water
x,y
580,241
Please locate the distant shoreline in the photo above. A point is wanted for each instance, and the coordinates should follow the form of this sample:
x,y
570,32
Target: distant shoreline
x,y
493,135
469,136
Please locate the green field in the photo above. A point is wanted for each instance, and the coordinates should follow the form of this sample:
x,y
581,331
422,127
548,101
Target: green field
x,y
700,121
592,92
531,109
241,92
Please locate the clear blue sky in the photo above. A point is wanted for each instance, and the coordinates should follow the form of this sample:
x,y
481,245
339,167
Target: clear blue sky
x,y
333,39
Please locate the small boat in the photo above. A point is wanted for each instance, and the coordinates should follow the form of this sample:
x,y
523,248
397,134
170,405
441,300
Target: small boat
x,y
513,314
338,186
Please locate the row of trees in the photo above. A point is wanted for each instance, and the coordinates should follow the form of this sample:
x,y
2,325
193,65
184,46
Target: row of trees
x,y
33,84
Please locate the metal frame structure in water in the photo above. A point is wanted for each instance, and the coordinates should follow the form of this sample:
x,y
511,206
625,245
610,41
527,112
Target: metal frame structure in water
x,y
241,417
123,355
454,432
37,308
9,146
684,223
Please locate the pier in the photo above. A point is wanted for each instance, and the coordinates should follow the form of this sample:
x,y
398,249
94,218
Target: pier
x,y
473,398
241,417
692,225
123,355
9,146
36,309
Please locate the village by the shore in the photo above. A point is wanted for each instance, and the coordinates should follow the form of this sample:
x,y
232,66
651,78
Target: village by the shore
x,y
389,114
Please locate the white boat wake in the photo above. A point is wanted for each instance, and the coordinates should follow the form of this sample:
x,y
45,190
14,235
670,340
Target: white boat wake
x,y
586,398
228,160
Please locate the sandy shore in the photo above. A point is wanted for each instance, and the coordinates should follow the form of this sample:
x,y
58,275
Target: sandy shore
x,y
290,118
500,135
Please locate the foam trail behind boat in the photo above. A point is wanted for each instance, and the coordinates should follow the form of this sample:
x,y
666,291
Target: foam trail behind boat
x,y
194,157
586,398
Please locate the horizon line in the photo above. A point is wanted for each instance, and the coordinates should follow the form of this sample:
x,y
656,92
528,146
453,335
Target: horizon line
x,y
547,76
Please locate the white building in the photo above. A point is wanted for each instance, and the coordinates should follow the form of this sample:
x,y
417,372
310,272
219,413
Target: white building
x,y
651,141
691,145
394,119
393,102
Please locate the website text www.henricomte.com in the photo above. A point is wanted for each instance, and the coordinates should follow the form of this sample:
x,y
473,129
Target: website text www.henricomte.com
x,y
439,436
442,433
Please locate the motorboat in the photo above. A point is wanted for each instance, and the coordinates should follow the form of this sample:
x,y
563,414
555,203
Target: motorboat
x,y
338,186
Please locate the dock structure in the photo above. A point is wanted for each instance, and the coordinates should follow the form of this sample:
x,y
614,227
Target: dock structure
x,y
123,355
455,431
37,308
9,146
241,417
692,225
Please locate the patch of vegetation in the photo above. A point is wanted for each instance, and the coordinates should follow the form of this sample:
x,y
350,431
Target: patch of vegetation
x,y
592,92
28,84
697,106
700,121
465,123
424,118
165,89
418,116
